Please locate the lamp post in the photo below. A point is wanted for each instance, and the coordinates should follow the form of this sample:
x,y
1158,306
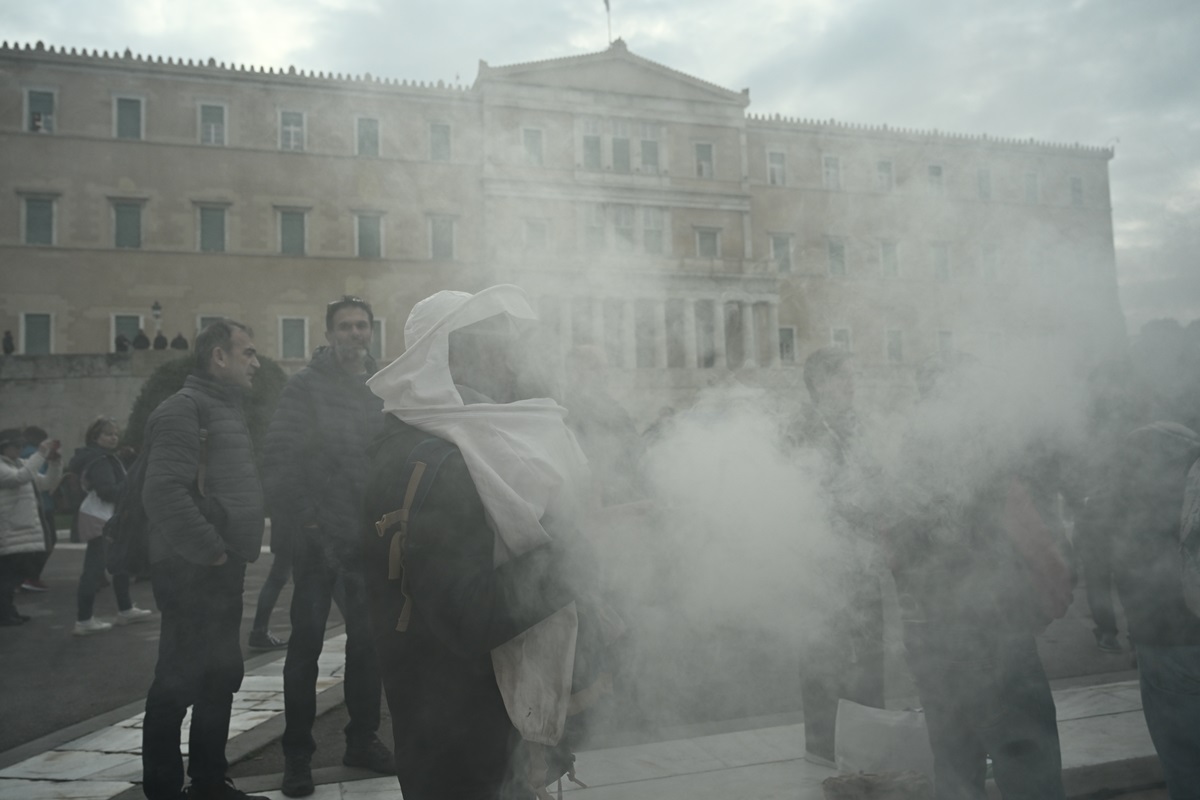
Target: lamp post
x,y
156,312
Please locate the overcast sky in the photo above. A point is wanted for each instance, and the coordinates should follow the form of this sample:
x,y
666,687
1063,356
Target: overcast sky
x,y
1098,72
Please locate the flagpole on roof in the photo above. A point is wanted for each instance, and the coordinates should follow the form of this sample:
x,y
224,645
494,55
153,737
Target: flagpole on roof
x,y
608,13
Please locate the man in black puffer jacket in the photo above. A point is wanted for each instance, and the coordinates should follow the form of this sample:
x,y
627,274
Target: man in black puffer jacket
x,y
204,505
315,471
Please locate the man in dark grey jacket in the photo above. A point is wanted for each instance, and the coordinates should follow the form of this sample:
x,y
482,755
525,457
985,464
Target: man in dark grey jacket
x,y
204,504
315,471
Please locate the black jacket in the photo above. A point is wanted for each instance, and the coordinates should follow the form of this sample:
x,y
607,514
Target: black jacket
x,y
453,735
99,470
177,524
315,454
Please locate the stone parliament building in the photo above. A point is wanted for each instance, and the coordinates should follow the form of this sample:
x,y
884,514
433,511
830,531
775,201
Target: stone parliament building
x,y
645,211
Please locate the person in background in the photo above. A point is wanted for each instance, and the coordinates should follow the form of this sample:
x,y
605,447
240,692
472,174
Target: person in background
x,y
141,341
10,346
261,637
21,534
179,343
160,341
101,471
34,436
121,345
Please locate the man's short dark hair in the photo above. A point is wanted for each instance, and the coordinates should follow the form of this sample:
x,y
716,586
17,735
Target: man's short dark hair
x,y
823,365
347,301
216,334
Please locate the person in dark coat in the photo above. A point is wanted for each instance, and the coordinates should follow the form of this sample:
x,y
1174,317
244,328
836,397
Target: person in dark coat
x,y
199,545
160,341
179,343
141,341
315,470
121,344
10,346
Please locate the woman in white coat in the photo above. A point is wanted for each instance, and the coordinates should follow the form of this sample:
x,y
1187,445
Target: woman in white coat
x,y
21,536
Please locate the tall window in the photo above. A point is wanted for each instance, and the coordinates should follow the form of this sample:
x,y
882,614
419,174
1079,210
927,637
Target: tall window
x,y
126,325
536,235
36,334
1031,187
367,134
212,229
936,182
532,140
840,338
1077,192
776,169
708,243
837,258
889,259
39,220
623,222
704,160
894,347
594,226
127,224
441,238
40,107
129,118
831,172
885,181
945,343
439,142
649,149
291,130
293,337
653,231
592,155
985,184
368,230
787,345
291,233
781,251
622,157
939,257
212,124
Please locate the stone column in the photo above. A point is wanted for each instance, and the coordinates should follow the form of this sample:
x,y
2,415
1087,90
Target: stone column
x,y
720,360
660,334
690,359
629,333
773,334
749,339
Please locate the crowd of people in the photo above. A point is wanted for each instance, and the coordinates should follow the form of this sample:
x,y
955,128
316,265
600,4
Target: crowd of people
x,y
439,503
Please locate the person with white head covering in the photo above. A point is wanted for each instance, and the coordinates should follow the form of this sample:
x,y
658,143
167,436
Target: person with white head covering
x,y
479,582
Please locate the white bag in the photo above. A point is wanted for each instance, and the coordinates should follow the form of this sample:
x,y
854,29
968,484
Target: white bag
x,y
93,506
881,740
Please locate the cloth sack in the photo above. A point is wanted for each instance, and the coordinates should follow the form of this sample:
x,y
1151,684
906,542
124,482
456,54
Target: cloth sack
x,y
93,513
880,740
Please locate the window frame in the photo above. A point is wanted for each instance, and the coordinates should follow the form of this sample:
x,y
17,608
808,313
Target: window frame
x,y
23,345
128,202
664,241
782,168
112,328
431,219
791,329
200,106
27,115
358,217
303,212
656,168
890,172
52,199
305,350
303,148
828,159
449,142
201,207
840,243
936,176
358,150
530,158
698,171
698,231
791,263
833,338
116,116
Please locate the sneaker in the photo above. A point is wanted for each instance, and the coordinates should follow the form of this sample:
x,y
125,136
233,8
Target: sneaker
x,y
89,626
297,776
33,585
133,614
265,640
819,760
1108,642
370,754
220,791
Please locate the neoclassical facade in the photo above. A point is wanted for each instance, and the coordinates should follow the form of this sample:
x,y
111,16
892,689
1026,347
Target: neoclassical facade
x,y
645,211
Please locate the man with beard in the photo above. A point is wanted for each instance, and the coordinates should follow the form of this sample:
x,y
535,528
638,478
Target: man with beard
x,y
314,471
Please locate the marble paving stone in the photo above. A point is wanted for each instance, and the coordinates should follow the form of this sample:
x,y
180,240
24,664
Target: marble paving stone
x,y
327,682
743,748
263,683
327,791
108,740
784,780
1102,740
268,705
244,694
133,722
130,771
66,765
273,668
12,789
1092,701
356,790
642,762
242,721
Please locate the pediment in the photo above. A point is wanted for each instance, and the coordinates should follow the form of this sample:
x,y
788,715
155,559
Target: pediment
x,y
614,70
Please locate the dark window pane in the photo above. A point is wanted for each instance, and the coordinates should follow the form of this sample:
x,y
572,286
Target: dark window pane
x,y
212,230
621,157
212,125
591,152
126,325
441,231
369,244
293,339
649,155
41,112
368,137
37,334
291,233
39,221
129,118
128,218
439,142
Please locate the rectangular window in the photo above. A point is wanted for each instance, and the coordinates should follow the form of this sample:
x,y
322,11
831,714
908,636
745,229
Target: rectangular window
x,y
936,182
212,124
293,337
945,343
291,233
126,325
831,173
594,232
708,243
787,345
291,130
439,142
837,258
1077,192
591,152
645,327
212,229
35,334
622,157
441,238
129,118
39,220
368,230
1031,187
653,227
939,257
776,169
536,237
987,262
840,338
41,111
376,348
894,347
985,184
884,179
781,251
704,160
532,140
623,221
889,259
650,156
127,225
367,134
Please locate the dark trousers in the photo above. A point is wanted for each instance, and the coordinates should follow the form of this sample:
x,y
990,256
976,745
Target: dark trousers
x,y
50,535
991,699
14,568
199,665
1170,680
1095,554
268,596
92,578
315,582
847,661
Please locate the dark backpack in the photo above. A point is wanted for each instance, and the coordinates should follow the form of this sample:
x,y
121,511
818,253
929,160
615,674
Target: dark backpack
x,y
127,530
69,495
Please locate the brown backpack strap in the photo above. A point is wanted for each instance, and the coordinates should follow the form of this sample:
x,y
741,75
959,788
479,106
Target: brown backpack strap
x,y
395,549
202,466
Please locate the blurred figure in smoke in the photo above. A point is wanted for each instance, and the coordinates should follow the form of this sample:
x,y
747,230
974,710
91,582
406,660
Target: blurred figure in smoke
x,y
847,661
977,577
604,429
476,573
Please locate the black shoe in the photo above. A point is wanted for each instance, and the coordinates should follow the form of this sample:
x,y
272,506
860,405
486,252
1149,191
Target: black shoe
x,y
370,754
1108,642
297,776
265,640
220,791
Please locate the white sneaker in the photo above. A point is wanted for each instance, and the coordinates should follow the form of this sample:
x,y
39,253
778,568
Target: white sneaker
x,y
90,626
133,614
